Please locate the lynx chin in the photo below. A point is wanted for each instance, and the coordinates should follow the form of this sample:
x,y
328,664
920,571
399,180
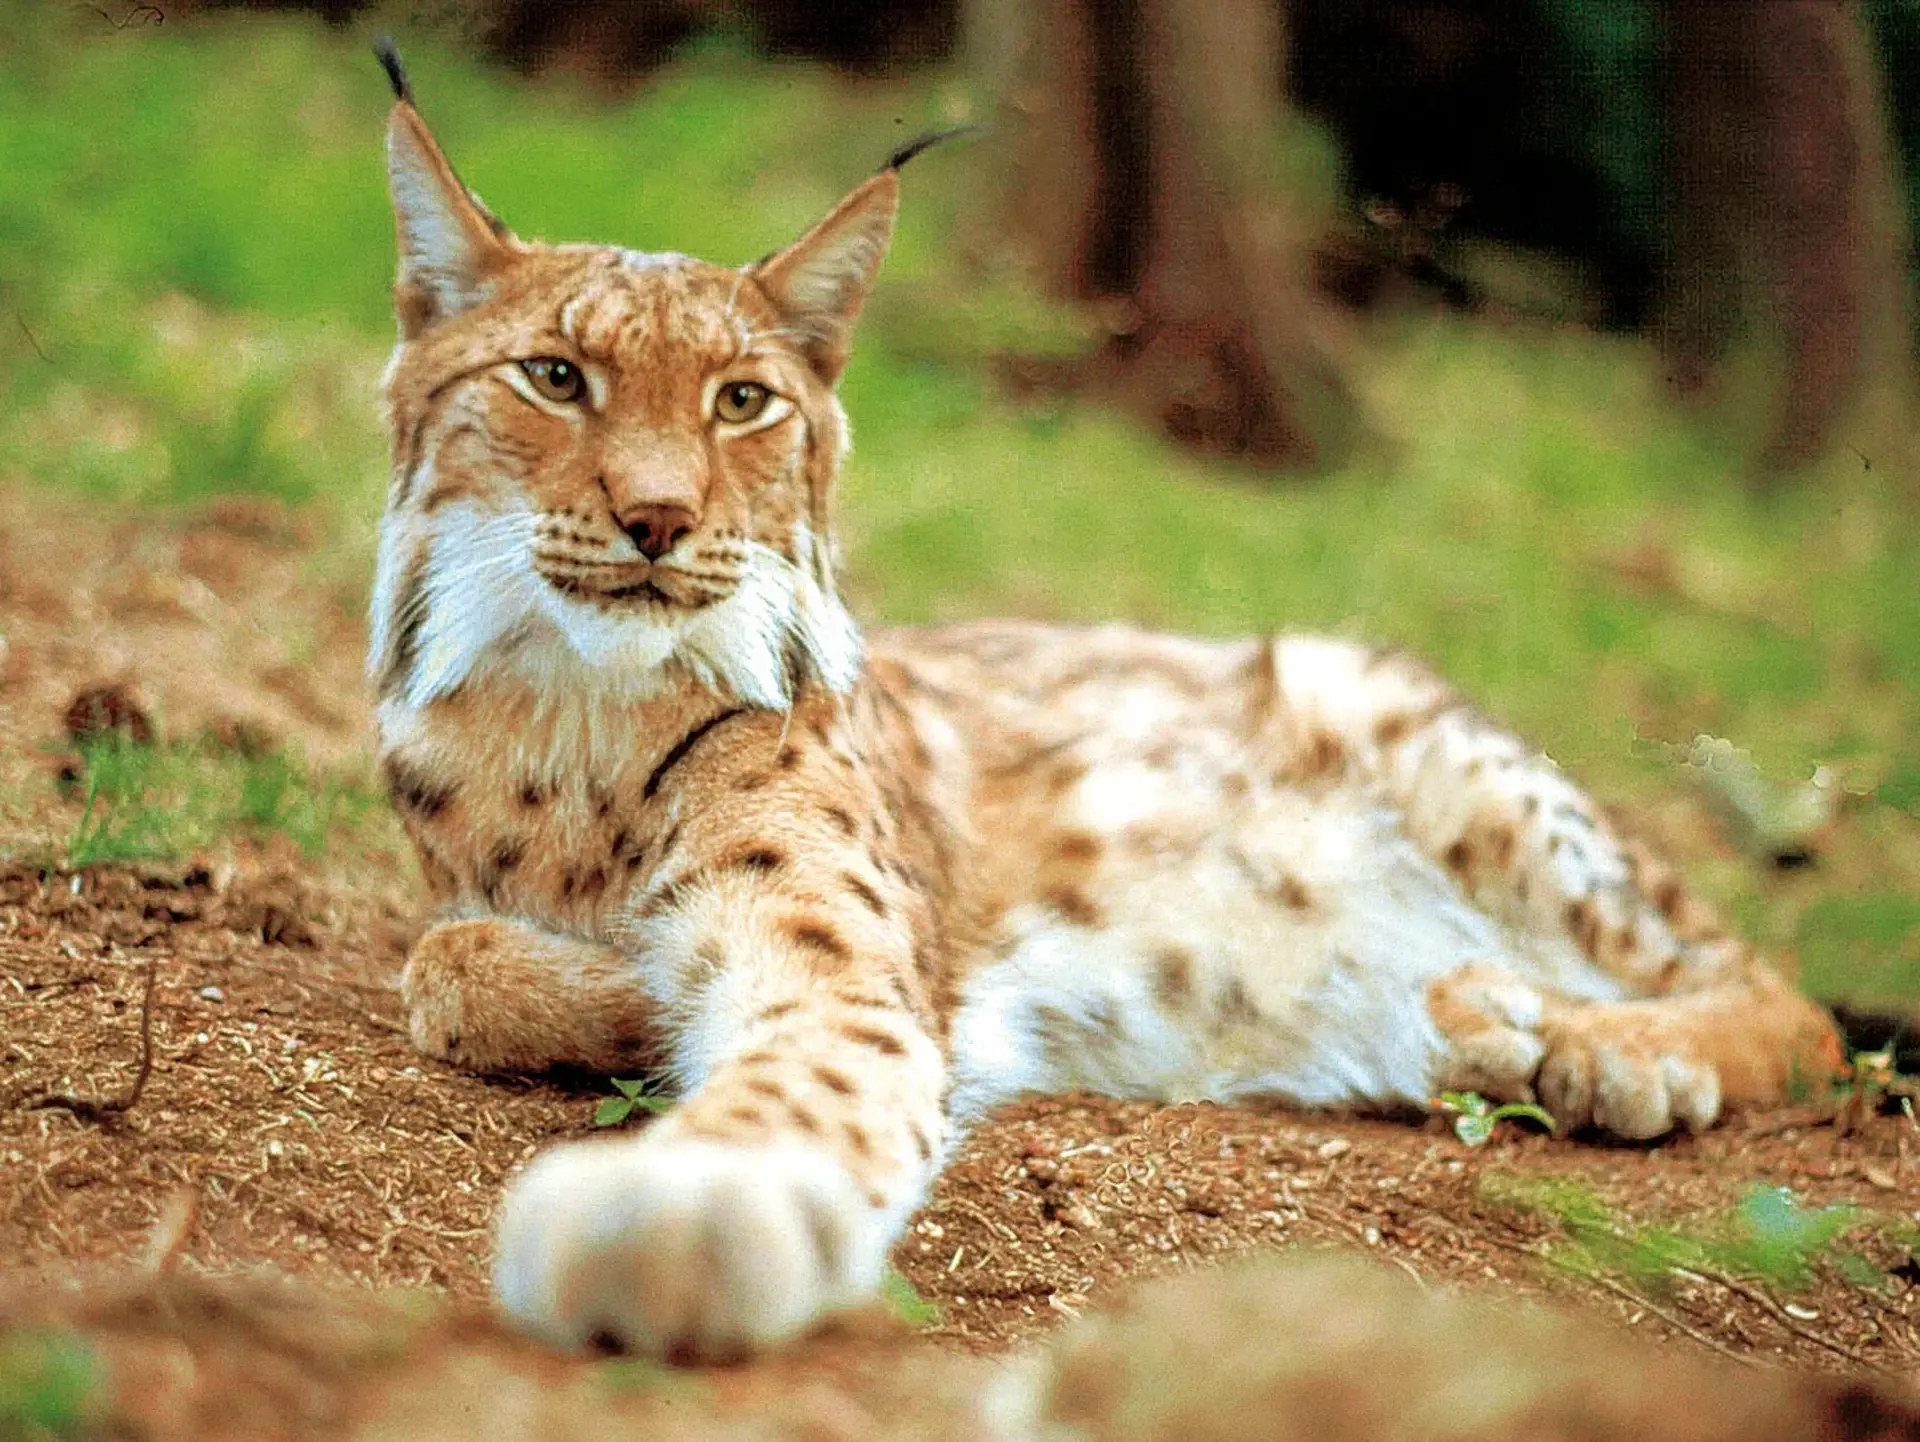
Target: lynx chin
x,y
849,893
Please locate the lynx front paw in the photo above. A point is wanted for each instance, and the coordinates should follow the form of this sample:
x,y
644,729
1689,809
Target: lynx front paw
x,y
684,1248
496,995
444,966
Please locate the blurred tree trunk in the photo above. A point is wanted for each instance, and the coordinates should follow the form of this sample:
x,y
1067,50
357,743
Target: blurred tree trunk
x,y
1785,198
1146,175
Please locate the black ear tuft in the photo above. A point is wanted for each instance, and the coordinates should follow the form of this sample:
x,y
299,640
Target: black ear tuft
x,y
396,72
926,142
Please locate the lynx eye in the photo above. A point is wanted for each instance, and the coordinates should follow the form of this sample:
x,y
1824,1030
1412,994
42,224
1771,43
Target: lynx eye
x,y
740,401
556,379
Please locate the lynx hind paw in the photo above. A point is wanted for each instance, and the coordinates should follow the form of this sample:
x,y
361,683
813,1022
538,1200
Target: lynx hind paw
x,y
688,1249
1606,1070
1620,1068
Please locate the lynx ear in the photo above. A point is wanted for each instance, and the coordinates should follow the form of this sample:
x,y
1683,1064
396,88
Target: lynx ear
x,y
820,281
450,244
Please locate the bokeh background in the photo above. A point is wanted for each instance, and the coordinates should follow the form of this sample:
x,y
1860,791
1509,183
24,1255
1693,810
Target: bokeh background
x,y
1565,342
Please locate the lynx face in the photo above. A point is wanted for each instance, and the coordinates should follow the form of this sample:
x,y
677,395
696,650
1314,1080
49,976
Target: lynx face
x,y
608,462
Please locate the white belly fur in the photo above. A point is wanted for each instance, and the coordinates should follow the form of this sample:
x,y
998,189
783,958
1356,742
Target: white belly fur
x,y
1323,1005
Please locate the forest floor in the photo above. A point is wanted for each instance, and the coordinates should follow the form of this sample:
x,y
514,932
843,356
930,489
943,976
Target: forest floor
x,y
284,1229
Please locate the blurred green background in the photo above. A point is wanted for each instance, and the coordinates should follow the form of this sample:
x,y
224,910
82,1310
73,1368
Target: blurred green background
x,y
194,258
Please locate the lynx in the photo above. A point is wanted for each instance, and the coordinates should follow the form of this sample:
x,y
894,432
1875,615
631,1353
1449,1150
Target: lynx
x,y
847,894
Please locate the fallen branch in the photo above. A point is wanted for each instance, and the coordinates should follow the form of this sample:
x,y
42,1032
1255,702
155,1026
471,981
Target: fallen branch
x,y
1670,1318
1779,1314
100,1110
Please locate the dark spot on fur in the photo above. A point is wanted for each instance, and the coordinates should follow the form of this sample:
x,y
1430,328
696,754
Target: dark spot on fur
x,y
858,1139
788,758
533,794
834,1081
752,782
1583,921
760,1055
412,790
757,858
502,859
842,820
921,1145
771,1090
1395,727
805,1119
775,1010
747,1116
869,898
1293,893
1082,846
1173,976
1459,857
1320,757
1065,777
817,935
1073,905
883,1042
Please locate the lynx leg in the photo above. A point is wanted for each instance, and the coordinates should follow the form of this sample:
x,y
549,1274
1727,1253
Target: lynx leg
x,y
497,995
770,1195
1521,839
1635,1068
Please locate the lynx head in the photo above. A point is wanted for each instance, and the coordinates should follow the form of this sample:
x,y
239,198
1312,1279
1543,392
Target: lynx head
x,y
612,468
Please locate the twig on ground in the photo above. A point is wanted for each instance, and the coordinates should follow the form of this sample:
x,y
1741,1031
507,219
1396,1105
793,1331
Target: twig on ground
x,y
1778,1313
97,1109
1626,1293
168,1239
1673,1320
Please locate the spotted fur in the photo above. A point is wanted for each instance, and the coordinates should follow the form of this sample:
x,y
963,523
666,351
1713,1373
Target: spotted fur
x,y
846,896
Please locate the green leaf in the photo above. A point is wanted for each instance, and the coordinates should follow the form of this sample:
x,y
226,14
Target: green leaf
x,y
905,1300
630,1089
1473,1128
1527,1110
612,1111
653,1102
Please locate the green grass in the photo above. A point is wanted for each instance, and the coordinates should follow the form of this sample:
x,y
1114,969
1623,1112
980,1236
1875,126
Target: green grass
x,y
204,264
1769,1238
48,1385
139,802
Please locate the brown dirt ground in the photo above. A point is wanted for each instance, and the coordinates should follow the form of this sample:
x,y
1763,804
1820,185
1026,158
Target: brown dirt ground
x,y
286,1126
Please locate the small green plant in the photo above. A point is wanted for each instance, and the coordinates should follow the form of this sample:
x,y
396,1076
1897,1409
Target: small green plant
x,y
48,1382
642,1095
905,1301
1874,1084
1475,1118
1768,1237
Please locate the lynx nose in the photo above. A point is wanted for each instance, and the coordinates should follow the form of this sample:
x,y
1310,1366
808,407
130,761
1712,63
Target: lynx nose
x,y
654,529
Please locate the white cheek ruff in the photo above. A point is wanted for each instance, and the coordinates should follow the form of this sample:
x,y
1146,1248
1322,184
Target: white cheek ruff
x,y
482,604
479,589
